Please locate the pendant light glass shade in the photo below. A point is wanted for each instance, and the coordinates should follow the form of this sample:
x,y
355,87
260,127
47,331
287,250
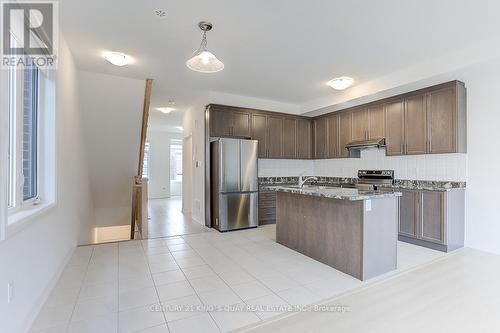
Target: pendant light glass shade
x,y
203,60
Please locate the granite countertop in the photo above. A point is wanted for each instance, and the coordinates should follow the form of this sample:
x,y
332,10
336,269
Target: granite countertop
x,y
399,184
333,192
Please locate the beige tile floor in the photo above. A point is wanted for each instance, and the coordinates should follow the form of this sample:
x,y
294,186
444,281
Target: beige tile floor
x,y
166,219
193,283
459,293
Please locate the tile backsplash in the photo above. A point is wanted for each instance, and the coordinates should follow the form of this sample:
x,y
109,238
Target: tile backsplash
x,y
285,168
444,167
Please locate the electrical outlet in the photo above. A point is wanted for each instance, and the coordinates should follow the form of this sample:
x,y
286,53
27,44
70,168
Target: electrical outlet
x,y
10,292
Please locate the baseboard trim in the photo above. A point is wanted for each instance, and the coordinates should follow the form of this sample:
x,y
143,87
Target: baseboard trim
x,y
35,310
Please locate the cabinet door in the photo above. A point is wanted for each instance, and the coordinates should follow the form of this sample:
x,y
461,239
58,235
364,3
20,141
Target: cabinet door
x,y
432,210
259,132
345,127
394,128
289,134
359,125
241,124
408,213
220,122
376,122
303,139
442,121
320,138
333,135
275,137
415,125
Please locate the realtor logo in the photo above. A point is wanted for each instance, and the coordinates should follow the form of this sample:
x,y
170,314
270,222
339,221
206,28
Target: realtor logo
x,y
29,31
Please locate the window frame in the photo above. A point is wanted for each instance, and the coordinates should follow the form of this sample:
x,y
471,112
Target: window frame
x,y
19,203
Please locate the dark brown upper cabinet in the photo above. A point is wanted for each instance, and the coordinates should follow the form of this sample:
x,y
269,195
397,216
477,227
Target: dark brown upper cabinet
x,y
415,125
259,133
345,133
220,122
303,138
427,121
446,121
332,124
275,136
394,127
376,121
434,121
289,138
229,122
359,124
320,138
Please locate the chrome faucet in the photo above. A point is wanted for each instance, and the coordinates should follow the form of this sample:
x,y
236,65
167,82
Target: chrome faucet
x,y
302,181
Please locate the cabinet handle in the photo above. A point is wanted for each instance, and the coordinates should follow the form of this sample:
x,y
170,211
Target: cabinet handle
x,y
430,146
402,148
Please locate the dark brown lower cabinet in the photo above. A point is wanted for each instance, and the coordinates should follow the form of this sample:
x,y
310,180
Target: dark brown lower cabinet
x,y
267,207
434,219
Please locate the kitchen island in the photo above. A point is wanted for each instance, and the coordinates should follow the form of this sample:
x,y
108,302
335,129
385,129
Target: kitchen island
x,y
351,230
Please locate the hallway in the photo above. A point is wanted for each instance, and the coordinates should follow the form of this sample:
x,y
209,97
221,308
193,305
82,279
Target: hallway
x,y
166,219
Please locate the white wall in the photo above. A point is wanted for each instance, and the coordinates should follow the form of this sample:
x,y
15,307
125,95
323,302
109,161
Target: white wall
x,y
285,168
194,126
159,175
34,256
112,115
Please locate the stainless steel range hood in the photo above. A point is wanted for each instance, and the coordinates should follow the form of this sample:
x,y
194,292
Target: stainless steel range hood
x,y
363,144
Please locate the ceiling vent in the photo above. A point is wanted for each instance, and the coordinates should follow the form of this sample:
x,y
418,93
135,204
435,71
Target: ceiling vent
x,y
160,13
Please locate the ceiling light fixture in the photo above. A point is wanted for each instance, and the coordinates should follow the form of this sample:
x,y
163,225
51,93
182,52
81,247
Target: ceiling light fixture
x,y
117,58
165,110
341,83
203,60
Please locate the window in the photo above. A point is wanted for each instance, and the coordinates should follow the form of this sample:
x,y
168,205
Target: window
x,y
23,85
175,161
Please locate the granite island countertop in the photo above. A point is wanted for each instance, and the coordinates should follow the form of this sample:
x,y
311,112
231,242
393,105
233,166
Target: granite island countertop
x,y
350,194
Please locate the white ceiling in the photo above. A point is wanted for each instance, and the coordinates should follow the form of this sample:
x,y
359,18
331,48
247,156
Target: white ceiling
x,y
281,50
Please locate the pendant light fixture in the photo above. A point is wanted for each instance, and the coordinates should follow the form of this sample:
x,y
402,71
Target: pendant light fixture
x,y
203,60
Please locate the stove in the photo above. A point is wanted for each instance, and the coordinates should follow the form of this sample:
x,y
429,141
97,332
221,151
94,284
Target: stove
x,y
372,180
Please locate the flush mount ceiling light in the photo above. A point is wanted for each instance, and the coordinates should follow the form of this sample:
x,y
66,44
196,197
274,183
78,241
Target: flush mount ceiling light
x,y
341,83
166,110
203,60
117,58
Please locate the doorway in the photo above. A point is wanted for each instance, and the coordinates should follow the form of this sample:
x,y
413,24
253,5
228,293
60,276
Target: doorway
x,y
166,173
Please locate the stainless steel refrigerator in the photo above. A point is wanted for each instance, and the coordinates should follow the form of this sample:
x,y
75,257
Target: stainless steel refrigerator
x,y
234,184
